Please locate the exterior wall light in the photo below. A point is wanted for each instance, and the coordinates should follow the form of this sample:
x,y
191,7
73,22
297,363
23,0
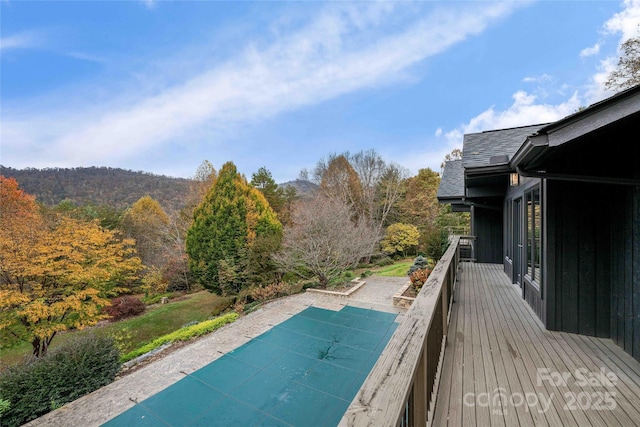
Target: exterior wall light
x,y
514,179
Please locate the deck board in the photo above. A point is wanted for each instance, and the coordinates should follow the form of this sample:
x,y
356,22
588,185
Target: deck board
x,y
505,371
468,380
496,342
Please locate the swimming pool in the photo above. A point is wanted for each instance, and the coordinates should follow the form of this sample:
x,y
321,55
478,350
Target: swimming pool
x,y
302,372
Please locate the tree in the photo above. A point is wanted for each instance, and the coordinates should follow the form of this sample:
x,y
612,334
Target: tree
x,y
226,225
202,181
339,181
147,223
280,199
110,217
382,185
457,222
364,181
55,275
21,228
176,269
324,240
391,188
434,241
263,181
456,154
627,73
400,238
419,206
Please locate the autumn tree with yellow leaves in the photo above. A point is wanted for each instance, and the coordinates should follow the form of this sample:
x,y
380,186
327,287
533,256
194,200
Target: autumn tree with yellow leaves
x,y
148,224
56,273
400,238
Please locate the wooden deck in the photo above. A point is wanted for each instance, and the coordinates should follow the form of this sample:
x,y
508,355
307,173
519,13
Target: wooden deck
x,y
502,368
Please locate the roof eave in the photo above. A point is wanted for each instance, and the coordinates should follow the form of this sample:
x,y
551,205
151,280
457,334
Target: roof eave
x,y
478,171
533,147
614,108
457,200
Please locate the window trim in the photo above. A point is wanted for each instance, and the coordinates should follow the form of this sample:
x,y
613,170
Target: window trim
x,y
533,236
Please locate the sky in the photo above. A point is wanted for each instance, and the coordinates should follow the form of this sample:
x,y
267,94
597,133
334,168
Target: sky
x,y
160,86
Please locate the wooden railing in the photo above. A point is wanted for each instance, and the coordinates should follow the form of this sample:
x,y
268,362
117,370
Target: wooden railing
x,y
467,248
400,389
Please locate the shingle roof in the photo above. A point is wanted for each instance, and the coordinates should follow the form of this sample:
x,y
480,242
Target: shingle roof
x,y
452,182
478,148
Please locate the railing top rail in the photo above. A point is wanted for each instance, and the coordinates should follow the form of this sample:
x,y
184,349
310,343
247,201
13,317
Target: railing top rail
x,y
381,399
467,237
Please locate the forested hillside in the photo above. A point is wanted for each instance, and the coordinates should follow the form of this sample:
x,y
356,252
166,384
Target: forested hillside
x,y
98,185
304,189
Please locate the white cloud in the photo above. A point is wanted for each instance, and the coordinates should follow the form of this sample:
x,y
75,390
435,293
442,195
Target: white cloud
x,y
590,51
544,78
526,108
626,21
524,111
86,57
438,132
595,90
338,53
431,159
24,40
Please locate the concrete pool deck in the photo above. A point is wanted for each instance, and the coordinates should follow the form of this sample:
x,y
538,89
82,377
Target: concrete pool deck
x,y
106,403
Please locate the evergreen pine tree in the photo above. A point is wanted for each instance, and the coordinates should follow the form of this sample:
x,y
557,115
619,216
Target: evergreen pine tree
x,y
225,227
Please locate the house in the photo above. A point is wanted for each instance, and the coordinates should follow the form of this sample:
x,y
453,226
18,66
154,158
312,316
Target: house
x,y
558,205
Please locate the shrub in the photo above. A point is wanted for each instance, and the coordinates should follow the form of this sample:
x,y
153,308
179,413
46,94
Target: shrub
x,y
238,307
419,263
436,241
366,274
265,293
4,405
175,273
419,277
153,282
182,334
123,307
383,262
245,296
221,305
72,370
248,308
122,338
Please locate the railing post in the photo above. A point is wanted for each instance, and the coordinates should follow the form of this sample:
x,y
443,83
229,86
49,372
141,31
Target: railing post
x,y
447,286
420,390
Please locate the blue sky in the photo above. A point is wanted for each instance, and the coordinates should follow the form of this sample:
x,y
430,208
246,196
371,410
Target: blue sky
x,y
161,86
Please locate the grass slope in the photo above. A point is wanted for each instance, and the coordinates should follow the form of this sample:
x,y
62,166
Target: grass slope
x,y
134,332
398,269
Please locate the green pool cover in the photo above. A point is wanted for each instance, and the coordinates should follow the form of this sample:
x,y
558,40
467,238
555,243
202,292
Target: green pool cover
x,y
302,372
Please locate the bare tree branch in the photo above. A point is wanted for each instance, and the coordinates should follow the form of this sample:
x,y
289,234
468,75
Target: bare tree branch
x,y
324,241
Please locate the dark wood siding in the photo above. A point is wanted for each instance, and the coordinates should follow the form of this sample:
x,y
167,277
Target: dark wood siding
x,y
625,274
578,279
487,227
531,294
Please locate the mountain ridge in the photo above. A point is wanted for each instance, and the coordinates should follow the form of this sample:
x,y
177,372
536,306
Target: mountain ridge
x,y
120,188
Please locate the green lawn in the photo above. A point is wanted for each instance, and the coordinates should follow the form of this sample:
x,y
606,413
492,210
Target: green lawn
x,y
136,331
399,269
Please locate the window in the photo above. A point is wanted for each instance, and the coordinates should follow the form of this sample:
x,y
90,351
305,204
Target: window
x,y
534,233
